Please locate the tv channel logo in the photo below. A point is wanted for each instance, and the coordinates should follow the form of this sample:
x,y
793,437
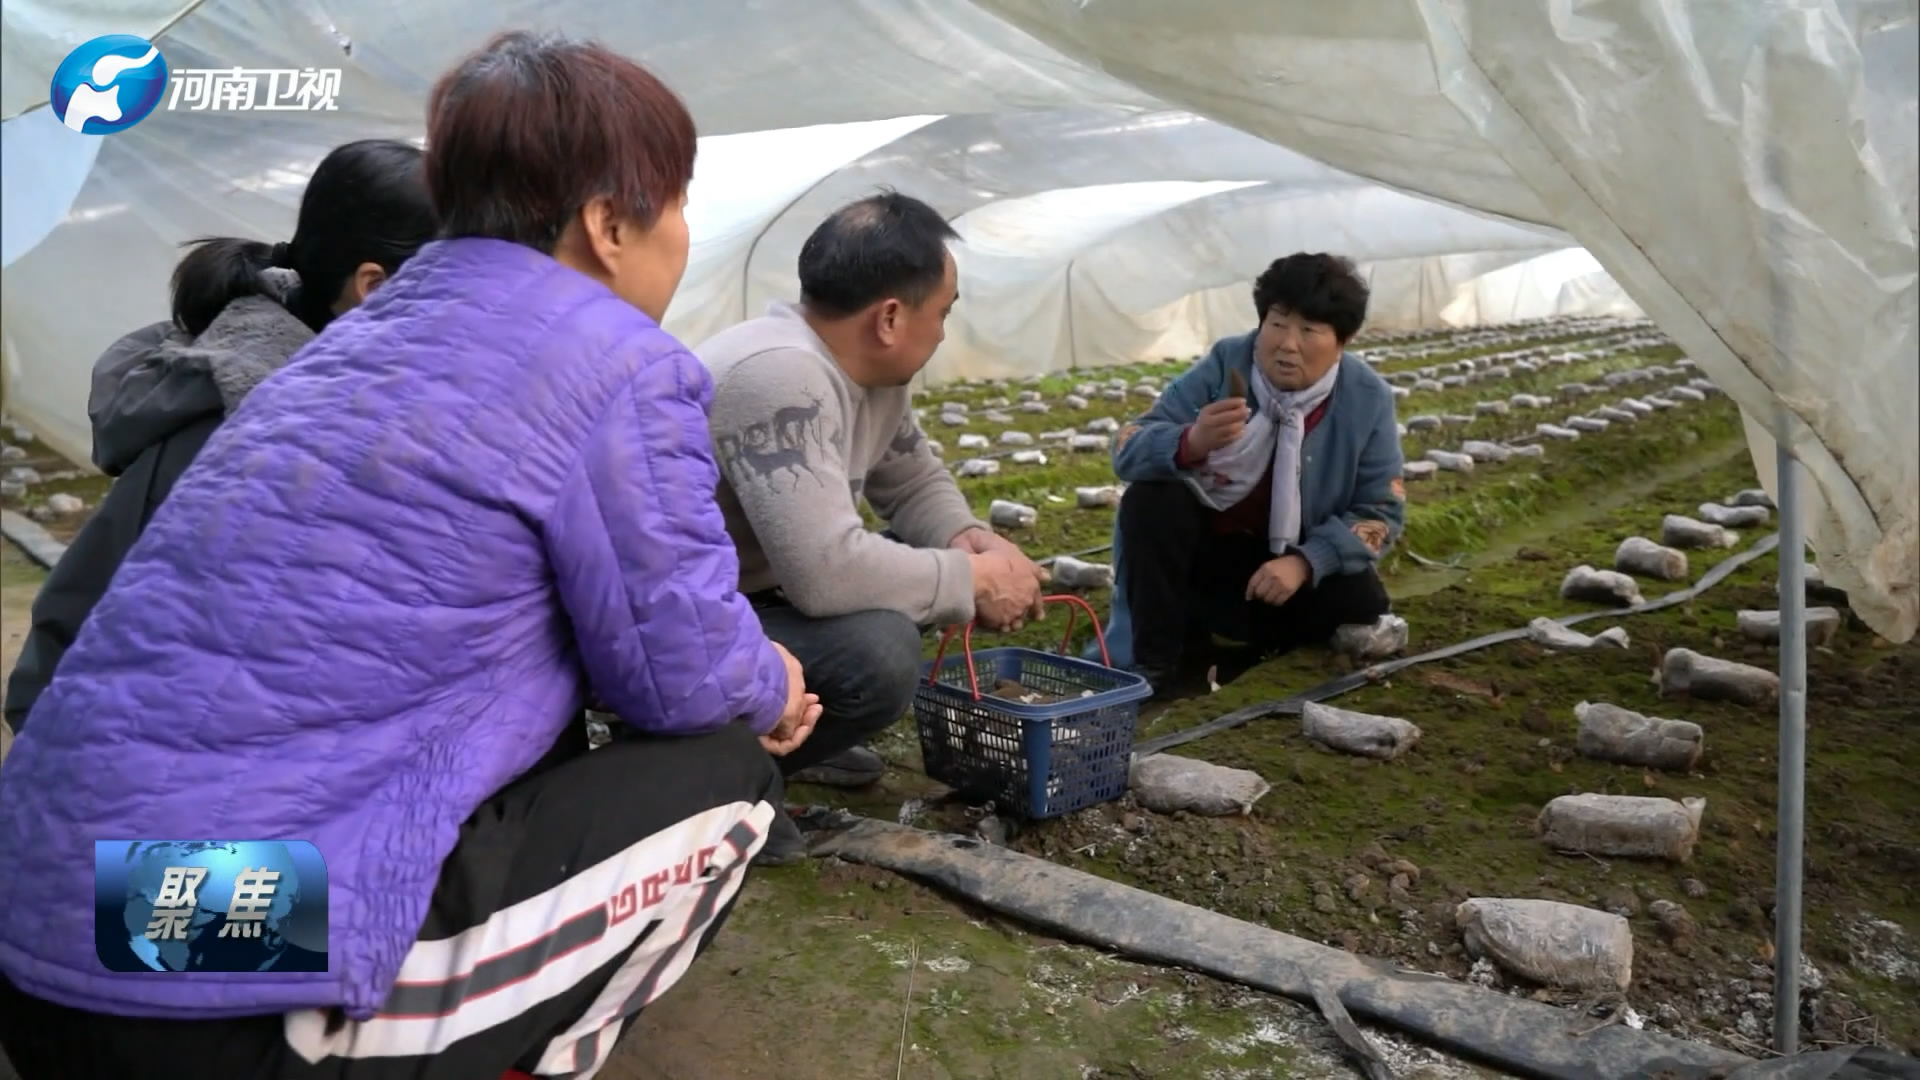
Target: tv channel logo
x,y
109,84
209,905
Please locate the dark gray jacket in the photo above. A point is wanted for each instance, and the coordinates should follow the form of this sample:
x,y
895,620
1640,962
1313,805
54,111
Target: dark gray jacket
x,y
157,396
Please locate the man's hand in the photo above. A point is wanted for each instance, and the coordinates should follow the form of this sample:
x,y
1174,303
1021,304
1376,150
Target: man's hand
x,y
975,540
1006,589
978,541
1218,425
1278,579
801,714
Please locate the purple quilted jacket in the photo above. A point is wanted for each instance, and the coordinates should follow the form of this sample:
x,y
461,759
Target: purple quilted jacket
x,y
381,590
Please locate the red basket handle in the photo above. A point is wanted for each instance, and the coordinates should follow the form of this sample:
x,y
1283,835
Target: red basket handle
x,y
966,641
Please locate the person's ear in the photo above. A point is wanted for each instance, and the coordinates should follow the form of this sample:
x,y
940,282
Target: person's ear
x,y
889,322
367,277
605,231
353,292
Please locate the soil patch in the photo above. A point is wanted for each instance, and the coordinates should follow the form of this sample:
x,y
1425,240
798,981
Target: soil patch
x,y
20,579
832,971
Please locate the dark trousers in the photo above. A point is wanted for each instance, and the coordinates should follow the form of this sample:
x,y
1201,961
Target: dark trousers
x,y
1185,582
863,666
638,850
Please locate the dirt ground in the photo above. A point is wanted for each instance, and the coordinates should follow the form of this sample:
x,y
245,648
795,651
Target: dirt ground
x,y
830,971
19,580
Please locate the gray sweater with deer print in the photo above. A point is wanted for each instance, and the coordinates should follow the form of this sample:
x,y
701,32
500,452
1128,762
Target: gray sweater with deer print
x,y
799,444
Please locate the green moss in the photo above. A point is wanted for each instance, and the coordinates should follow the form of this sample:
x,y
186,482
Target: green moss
x,y
1498,732
1438,359
1450,515
17,572
89,486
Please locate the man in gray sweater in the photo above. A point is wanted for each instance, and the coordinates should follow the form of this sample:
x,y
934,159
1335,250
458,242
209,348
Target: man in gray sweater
x,y
811,414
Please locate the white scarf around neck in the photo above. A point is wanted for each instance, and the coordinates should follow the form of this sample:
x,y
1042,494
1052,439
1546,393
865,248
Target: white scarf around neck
x,y
1273,434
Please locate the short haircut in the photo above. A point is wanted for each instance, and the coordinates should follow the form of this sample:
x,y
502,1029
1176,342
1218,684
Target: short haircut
x,y
526,131
883,246
1319,288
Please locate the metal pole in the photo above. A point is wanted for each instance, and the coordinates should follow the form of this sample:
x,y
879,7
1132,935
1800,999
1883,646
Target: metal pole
x,y
1073,342
1792,802
1791,805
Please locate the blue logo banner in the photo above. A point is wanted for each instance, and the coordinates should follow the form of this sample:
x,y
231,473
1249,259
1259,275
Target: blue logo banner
x,y
209,905
109,84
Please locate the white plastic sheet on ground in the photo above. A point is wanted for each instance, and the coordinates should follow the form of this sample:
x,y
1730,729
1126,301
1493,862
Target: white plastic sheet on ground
x,y
1635,128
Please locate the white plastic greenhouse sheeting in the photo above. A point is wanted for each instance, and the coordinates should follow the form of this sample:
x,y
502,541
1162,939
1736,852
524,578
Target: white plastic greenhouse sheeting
x,y
1414,293
1097,273
1640,127
1568,282
1410,294
1085,228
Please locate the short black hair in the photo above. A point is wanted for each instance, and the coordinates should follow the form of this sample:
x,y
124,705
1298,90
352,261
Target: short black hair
x,y
1318,287
883,246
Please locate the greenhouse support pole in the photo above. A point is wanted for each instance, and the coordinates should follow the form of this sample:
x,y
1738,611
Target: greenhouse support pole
x,y
746,264
1791,804
1073,344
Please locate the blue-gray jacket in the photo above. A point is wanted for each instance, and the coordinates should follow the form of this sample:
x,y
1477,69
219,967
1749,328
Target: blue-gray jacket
x,y
1350,465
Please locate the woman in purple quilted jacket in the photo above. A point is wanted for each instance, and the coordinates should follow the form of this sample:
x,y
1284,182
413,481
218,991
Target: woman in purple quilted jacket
x,y
367,618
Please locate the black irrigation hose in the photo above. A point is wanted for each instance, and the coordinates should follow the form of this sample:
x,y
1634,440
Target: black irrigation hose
x,y
1081,554
1455,563
992,455
1515,1034
1335,687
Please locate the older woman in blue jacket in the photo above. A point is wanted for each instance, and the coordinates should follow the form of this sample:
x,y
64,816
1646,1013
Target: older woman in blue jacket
x,y
1264,485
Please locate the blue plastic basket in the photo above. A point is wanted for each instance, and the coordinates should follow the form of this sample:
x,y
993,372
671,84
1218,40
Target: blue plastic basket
x,y
1035,761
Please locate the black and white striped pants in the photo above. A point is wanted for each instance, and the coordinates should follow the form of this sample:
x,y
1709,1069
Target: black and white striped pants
x,y
574,898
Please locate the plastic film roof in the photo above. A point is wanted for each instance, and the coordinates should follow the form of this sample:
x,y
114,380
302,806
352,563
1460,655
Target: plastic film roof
x,y
1201,138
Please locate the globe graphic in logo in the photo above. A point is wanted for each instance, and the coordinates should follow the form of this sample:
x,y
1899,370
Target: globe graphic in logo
x,y
285,940
109,84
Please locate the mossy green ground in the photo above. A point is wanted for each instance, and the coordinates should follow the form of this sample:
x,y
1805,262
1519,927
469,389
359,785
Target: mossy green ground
x,y
811,979
1499,728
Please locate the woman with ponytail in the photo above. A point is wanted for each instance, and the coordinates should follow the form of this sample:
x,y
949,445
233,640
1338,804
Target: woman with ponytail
x,y
241,309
